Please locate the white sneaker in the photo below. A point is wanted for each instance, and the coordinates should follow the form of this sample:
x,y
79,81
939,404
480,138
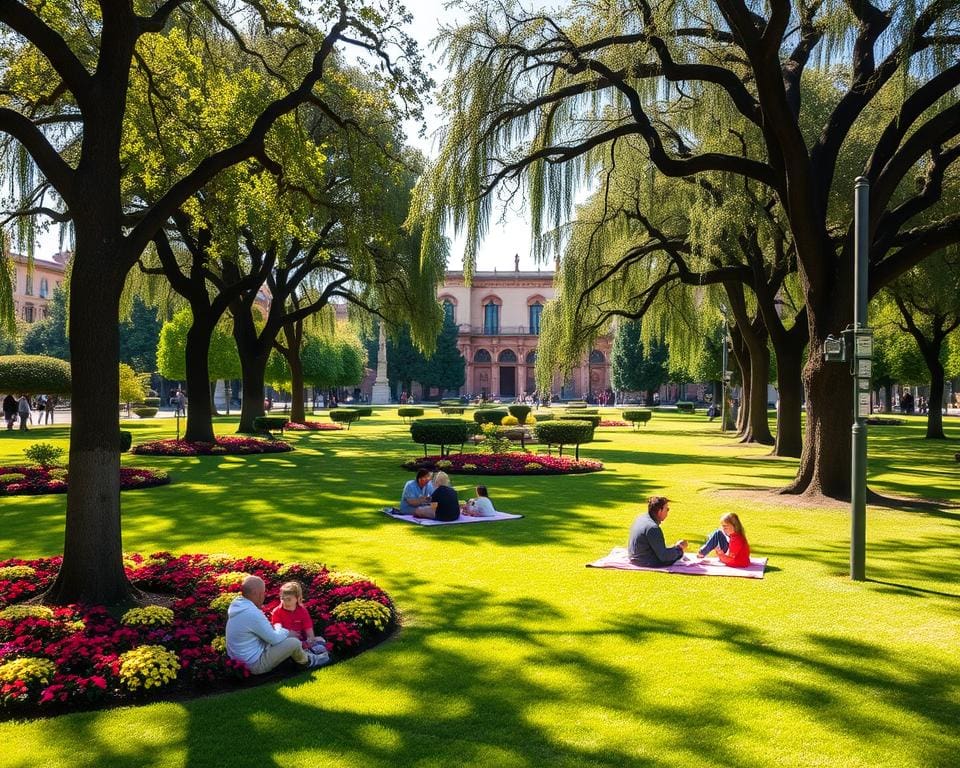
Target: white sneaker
x,y
315,660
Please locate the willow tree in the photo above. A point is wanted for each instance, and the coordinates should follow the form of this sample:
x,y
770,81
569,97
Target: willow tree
x,y
66,71
533,94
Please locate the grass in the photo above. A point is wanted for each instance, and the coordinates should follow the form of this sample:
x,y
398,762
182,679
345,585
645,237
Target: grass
x,y
514,654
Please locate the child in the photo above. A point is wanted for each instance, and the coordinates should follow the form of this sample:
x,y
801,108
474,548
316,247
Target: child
x,y
480,506
291,614
730,542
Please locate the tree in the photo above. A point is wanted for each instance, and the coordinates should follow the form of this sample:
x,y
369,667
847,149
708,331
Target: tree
x,y
133,385
632,368
139,336
445,368
49,335
67,72
539,97
222,359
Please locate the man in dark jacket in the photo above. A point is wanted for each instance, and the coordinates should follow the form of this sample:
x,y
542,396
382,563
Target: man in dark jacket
x,y
646,544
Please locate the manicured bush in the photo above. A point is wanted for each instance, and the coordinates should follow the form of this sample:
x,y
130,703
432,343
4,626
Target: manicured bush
x,y
223,446
685,406
363,410
509,421
545,416
561,433
144,412
451,409
489,415
151,402
126,440
44,454
583,416
442,432
344,416
520,412
638,416
409,412
270,423
34,373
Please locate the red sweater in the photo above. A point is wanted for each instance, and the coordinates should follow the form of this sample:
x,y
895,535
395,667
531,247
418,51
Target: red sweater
x,y
738,552
298,620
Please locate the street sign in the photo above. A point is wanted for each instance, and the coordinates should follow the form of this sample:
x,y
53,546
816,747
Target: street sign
x,y
863,344
863,385
864,368
863,405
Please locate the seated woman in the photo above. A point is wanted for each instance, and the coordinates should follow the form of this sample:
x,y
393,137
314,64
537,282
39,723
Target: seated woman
x,y
444,506
729,541
480,506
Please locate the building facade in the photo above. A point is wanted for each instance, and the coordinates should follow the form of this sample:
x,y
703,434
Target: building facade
x,y
33,288
499,320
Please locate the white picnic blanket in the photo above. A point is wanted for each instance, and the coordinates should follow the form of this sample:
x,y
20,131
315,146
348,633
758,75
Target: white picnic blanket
x,y
395,514
688,565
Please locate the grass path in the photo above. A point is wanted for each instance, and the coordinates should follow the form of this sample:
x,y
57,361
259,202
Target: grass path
x,y
514,654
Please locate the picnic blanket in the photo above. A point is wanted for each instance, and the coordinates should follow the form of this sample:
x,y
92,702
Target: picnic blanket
x,y
395,514
688,565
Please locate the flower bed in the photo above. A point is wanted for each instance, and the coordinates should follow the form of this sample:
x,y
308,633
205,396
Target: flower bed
x,y
614,423
222,446
312,426
80,656
34,480
504,464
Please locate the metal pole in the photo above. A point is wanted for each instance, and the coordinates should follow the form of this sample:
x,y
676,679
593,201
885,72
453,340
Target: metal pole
x,y
858,495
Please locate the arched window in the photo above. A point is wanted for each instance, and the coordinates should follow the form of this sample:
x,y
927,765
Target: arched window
x,y
597,357
507,356
531,357
449,312
482,356
535,309
491,318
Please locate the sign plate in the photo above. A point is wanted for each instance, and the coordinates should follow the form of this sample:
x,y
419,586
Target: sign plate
x,y
863,344
864,368
863,385
863,404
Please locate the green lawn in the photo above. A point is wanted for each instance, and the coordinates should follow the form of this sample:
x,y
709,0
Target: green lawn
x,y
514,654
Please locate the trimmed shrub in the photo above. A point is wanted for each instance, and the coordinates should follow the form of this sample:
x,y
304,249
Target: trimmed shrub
x,y
545,416
451,409
561,433
126,440
593,418
151,402
578,404
489,415
44,454
270,423
409,412
520,412
638,416
685,406
509,421
144,412
363,410
442,432
344,416
34,373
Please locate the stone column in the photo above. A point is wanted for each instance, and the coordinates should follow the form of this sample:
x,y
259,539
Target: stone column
x,y
381,387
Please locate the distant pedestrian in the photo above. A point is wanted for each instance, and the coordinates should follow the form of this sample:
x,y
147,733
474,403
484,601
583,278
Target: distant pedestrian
x,y
48,407
10,410
23,410
181,403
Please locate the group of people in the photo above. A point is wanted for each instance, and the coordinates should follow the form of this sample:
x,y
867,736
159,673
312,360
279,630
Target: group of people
x,y
647,546
22,408
430,495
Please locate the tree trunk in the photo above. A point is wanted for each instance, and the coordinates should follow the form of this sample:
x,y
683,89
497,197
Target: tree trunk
x,y
253,363
297,394
92,570
789,420
935,401
758,424
213,398
199,404
741,356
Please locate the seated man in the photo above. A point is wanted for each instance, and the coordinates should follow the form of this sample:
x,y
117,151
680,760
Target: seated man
x,y
445,504
646,544
416,493
252,640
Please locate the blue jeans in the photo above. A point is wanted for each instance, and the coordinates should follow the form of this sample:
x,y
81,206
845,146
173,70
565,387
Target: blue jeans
x,y
717,539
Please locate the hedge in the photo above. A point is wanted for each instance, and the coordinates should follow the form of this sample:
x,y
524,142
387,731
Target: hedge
x,y
451,409
593,418
544,416
34,374
363,410
489,415
685,406
638,416
442,432
344,415
563,433
409,412
145,412
520,411
151,402
577,404
126,440
270,423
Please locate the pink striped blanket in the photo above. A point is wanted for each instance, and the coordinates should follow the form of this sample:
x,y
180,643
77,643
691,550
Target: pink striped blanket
x,y
689,565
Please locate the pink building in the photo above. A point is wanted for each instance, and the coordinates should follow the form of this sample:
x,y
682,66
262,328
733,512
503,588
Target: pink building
x,y
499,320
33,288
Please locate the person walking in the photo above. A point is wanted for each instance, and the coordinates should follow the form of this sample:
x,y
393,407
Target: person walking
x,y
48,406
23,410
10,410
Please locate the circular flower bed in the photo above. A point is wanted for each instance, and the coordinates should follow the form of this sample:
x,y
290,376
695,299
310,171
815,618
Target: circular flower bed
x,y
312,426
614,423
222,446
55,659
504,464
17,481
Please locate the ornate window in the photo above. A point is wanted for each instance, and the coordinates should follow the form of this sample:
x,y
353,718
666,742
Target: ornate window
x,y
532,357
597,357
28,285
491,318
507,356
536,309
449,312
44,287
482,356
28,313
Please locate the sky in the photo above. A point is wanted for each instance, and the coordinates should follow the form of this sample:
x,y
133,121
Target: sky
x,y
509,231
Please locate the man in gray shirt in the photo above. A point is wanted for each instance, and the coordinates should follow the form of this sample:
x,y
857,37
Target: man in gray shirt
x,y
646,544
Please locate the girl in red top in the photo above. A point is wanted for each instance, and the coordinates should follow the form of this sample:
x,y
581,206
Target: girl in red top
x,y
729,541
291,614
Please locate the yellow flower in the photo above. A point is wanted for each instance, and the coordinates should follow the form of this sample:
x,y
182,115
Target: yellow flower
x,y
151,615
29,670
18,612
366,613
148,665
231,578
221,602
